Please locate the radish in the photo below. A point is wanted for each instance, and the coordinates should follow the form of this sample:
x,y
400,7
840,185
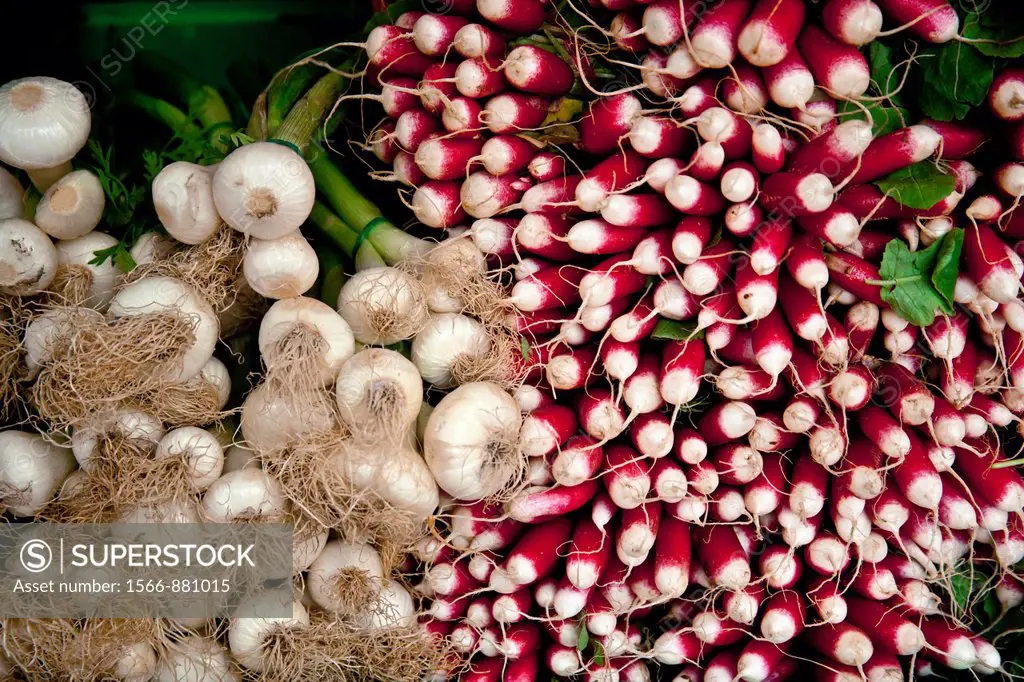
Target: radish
x,y
607,121
837,67
674,647
782,617
722,556
767,148
1004,96
477,40
949,646
827,554
637,532
854,22
933,20
600,415
511,112
651,434
715,631
626,477
843,643
743,605
745,92
663,22
522,16
771,31
714,37
827,599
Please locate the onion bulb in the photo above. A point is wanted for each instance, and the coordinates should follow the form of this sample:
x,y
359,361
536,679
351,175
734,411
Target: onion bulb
x,y
288,321
383,305
264,190
80,253
196,659
272,419
449,266
72,206
137,663
244,494
183,199
151,247
247,632
141,428
340,563
198,450
171,296
282,267
47,330
32,470
471,441
393,608
28,259
447,339
12,196
379,392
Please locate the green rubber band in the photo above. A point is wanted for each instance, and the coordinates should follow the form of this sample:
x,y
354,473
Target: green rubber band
x,y
364,234
286,143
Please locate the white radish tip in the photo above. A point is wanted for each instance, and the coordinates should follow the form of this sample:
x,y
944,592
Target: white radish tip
x,y
923,142
816,192
862,24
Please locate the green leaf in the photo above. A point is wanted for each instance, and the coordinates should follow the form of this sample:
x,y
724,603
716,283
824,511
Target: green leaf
x,y
947,267
583,640
123,260
920,185
1004,28
524,347
960,584
883,69
598,653
884,119
956,78
673,330
908,279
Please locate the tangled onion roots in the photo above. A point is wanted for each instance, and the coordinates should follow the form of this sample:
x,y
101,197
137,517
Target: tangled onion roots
x,y
122,478
316,484
70,285
55,650
103,365
295,365
454,272
501,364
214,269
330,649
10,358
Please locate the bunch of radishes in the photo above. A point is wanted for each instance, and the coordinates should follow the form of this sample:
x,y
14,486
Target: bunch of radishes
x,y
744,455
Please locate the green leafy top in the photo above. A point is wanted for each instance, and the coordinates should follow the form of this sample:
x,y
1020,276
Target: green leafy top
x,y
1004,29
887,114
917,284
920,185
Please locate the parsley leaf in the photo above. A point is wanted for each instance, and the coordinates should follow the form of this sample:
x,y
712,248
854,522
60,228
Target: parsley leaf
x,y
920,185
916,284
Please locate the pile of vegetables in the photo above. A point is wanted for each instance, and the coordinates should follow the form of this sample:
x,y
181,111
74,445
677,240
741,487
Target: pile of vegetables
x,y
701,360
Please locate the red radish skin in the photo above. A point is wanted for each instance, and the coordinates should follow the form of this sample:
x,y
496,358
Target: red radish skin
x,y
843,643
991,264
626,31
610,279
772,343
551,195
693,197
957,141
515,16
838,68
600,414
438,87
512,608
949,646
796,194
1002,487
658,137
861,322
398,95
548,289
477,40
506,154
835,225
406,171
437,204
800,307
705,163
545,235
768,150
392,52
689,446
917,478
637,532
413,127
705,275
461,116
763,662
608,120
443,158
546,166
640,391
544,504
745,92
1006,95
826,597
637,210
722,556
536,552
578,460
933,20
827,554
782,617
771,243
616,172
771,31
713,38
714,630
513,112
382,142
727,421
833,153
854,22
674,647
900,391
626,477
663,23
620,360
896,150
723,126
744,219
